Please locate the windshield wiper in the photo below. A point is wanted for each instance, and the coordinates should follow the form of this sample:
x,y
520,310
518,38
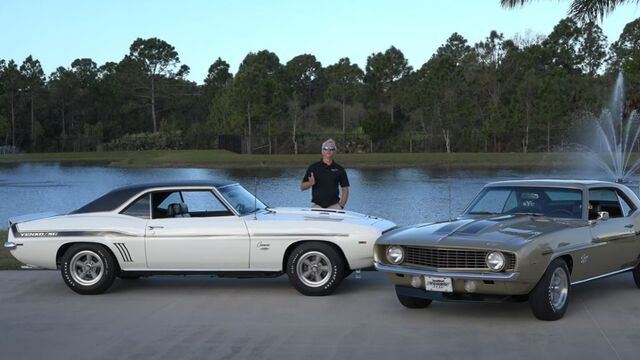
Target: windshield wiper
x,y
483,213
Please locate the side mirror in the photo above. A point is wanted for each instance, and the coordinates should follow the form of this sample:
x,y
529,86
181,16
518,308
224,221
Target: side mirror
x,y
603,215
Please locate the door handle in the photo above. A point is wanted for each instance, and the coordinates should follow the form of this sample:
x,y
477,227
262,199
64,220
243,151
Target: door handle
x,y
629,226
155,227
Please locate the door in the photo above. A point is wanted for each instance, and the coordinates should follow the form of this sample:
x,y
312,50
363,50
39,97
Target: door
x,y
614,239
192,230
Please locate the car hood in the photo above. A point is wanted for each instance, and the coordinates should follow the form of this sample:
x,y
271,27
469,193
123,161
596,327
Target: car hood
x,y
508,232
325,215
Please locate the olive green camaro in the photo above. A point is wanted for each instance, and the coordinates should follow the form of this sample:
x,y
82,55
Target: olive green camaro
x,y
518,240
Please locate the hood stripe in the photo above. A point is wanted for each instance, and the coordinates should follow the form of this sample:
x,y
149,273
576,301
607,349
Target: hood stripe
x,y
452,227
477,227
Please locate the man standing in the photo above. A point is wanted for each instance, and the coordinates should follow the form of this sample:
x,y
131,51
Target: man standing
x,y
324,177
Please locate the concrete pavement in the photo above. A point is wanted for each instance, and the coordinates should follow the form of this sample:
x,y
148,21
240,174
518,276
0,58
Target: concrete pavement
x,y
210,318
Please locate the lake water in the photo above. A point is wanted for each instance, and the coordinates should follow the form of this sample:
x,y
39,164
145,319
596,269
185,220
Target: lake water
x,y
405,196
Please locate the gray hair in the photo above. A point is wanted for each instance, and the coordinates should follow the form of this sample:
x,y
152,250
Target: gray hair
x,y
329,141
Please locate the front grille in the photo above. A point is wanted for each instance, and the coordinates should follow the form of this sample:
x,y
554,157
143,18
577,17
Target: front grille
x,y
453,258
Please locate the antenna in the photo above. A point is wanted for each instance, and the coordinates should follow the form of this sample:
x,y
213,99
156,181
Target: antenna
x,y
449,183
255,199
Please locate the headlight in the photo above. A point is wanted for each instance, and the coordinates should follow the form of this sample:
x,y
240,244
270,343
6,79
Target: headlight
x,y
495,261
395,254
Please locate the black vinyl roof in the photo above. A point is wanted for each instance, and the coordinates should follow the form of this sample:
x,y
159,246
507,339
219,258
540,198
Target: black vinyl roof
x,y
113,199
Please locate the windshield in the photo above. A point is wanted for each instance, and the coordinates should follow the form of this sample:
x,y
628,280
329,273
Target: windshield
x,y
542,201
241,199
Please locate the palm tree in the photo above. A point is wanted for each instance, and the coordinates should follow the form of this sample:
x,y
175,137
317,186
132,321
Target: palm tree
x,y
584,10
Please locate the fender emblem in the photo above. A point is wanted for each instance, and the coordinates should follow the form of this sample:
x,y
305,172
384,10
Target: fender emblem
x,y
584,258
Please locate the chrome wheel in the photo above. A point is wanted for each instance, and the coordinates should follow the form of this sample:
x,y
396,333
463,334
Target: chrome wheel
x,y
87,268
558,288
314,269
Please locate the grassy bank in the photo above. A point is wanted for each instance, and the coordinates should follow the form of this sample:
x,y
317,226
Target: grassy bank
x,y
7,262
225,159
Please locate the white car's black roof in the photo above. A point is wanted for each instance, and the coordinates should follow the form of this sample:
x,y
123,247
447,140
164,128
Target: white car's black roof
x,y
113,199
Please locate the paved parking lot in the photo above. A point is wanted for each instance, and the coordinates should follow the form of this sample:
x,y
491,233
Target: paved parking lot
x,y
204,317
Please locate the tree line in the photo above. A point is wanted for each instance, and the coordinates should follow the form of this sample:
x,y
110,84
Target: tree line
x,y
524,93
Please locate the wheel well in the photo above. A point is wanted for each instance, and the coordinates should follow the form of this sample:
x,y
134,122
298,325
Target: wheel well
x,y
290,248
569,260
66,246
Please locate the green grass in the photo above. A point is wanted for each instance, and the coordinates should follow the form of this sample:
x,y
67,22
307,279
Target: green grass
x,y
7,262
225,159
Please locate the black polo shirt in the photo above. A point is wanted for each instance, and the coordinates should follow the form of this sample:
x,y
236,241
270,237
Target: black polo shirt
x,y
325,191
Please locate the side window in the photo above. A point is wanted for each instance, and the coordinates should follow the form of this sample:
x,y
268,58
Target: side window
x,y
172,198
605,199
161,201
627,206
204,203
139,208
188,203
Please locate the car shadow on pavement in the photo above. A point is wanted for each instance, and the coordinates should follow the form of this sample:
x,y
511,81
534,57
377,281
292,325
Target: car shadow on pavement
x,y
200,283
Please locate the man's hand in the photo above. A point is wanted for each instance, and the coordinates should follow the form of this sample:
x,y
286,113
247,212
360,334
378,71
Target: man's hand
x,y
345,197
309,183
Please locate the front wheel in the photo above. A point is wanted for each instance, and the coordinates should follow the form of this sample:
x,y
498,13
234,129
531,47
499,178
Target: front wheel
x,y
413,302
347,272
636,275
315,268
550,298
88,269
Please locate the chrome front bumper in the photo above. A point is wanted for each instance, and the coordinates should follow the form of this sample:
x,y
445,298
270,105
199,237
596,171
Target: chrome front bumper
x,y
452,274
9,245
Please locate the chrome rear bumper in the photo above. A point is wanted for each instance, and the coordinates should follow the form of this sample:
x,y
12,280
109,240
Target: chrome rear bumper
x,y
9,245
452,274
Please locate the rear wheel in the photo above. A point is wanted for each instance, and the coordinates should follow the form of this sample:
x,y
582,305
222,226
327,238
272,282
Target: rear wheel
x,y
315,268
88,269
550,298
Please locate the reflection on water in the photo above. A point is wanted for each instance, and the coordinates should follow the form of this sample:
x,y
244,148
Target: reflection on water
x,y
406,196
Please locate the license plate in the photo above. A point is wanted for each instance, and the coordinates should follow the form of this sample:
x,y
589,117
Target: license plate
x,y
440,284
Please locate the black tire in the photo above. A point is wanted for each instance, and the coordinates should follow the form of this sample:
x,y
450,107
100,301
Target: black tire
x,y
347,272
329,267
544,304
104,267
636,275
413,302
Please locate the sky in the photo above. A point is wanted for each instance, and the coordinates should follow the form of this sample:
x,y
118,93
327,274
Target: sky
x,y
57,32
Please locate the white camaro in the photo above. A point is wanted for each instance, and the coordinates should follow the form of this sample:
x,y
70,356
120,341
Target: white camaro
x,y
195,228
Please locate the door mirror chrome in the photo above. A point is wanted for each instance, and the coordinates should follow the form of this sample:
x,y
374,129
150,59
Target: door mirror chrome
x,y
603,215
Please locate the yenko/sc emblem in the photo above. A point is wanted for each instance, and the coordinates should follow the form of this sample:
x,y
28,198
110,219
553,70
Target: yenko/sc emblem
x,y
38,234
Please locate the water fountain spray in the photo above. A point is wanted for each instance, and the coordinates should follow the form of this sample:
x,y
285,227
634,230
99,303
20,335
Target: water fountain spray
x,y
616,137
